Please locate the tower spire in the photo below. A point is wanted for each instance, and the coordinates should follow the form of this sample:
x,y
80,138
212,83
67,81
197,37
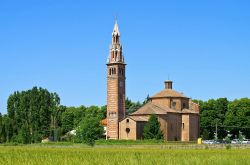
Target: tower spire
x,y
115,85
115,55
116,29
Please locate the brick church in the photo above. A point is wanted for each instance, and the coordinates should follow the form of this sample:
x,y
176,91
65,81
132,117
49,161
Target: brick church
x,y
177,114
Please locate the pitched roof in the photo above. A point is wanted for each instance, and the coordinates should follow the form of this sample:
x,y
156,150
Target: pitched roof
x,y
139,118
152,108
189,111
168,93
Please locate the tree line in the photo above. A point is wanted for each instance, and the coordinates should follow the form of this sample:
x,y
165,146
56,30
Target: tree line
x,y
229,118
37,114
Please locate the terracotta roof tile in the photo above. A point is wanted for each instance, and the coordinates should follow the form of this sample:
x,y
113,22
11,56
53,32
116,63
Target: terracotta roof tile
x,y
152,108
168,93
104,122
189,111
139,118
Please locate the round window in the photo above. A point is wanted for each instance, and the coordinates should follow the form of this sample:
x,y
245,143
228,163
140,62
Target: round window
x,y
127,130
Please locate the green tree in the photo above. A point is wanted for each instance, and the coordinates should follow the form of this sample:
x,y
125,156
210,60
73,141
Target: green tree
x,y
89,130
93,111
134,107
67,121
3,134
3,137
36,111
213,113
238,117
152,129
146,100
104,111
205,135
79,114
131,106
23,135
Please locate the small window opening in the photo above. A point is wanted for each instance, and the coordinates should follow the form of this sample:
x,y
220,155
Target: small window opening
x,y
173,104
184,105
115,55
127,120
127,130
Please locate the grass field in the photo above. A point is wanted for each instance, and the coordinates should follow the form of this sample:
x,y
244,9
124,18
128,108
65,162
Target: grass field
x,y
80,154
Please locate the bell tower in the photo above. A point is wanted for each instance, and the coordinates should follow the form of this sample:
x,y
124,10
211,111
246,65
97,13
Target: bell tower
x,y
115,86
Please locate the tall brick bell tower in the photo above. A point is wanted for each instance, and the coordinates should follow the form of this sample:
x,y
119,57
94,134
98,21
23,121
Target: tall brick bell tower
x,y
115,86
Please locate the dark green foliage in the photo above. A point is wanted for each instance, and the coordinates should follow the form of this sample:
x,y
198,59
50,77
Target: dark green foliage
x,y
132,106
205,134
89,130
32,115
67,121
3,135
146,100
79,113
104,111
152,129
230,116
238,117
212,113
24,135
74,115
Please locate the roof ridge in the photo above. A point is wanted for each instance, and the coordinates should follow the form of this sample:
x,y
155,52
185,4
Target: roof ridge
x,y
168,93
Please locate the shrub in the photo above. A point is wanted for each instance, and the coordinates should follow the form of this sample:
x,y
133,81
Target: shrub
x,y
89,130
152,129
228,147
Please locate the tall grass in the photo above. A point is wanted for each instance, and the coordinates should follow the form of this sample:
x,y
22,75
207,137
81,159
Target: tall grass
x,y
129,155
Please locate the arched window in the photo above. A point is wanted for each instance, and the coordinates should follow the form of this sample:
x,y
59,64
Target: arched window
x,y
127,130
117,39
116,55
109,71
183,105
173,105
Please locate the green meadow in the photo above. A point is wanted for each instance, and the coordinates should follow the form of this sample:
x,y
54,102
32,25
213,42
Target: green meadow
x,y
117,154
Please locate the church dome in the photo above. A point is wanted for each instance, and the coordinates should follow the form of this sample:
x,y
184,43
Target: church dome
x,y
168,92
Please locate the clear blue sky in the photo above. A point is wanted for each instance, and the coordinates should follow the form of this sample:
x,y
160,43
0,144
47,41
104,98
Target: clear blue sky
x,y
62,45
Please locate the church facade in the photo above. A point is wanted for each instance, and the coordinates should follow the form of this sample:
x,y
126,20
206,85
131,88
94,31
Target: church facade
x,y
177,114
